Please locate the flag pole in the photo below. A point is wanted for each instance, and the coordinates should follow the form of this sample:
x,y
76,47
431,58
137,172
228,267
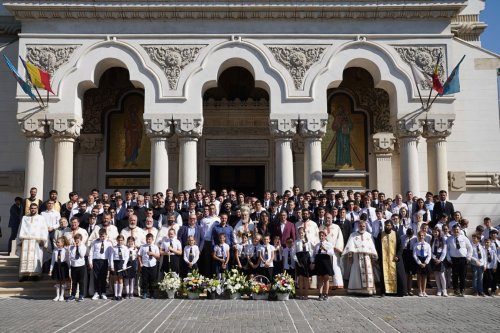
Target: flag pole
x,y
433,100
419,94
38,93
430,92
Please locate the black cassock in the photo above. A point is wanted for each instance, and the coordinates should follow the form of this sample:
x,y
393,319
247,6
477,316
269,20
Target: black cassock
x,y
400,269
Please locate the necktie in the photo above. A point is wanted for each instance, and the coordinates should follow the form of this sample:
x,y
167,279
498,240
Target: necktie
x,y
191,256
130,254
488,255
435,248
150,257
457,243
289,259
352,217
102,248
303,246
479,256
408,244
442,204
77,253
320,247
120,255
59,256
422,249
265,253
254,251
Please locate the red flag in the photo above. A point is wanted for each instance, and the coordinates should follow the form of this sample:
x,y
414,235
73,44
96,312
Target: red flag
x,y
436,84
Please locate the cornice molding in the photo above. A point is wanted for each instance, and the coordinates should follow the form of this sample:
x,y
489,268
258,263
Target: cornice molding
x,y
233,9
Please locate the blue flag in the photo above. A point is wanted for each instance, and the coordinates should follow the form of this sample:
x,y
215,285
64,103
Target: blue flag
x,y
26,87
452,84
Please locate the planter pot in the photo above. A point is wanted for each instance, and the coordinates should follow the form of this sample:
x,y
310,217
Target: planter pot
x,y
283,297
211,295
171,293
261,297
192,295
234,295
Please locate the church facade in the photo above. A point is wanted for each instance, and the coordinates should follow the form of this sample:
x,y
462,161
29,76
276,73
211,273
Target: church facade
x,y
253,95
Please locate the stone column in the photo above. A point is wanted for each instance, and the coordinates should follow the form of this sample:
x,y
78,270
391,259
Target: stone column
x,y
298,161
87,163
436,129
158,130
64,130
312,130
383,144
188,129
283,130
35,132
408,136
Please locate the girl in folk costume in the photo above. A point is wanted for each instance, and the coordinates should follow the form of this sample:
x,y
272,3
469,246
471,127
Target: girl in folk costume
x,y
191,254
438,246
303,250
118,261
77,262
422,254
131,273
243,254
59,267
171,250
278,260
408,241
321,264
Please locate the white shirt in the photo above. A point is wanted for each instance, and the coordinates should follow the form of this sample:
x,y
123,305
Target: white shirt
x,y
148,261
115,255
52,218
69,235
491,258
422,250
465,250
167,242
311,229
478,251
138,234
64,257
376,227
439,252
82,251
221,251
95,249
322,248
195,252
207,223
287,257
266,255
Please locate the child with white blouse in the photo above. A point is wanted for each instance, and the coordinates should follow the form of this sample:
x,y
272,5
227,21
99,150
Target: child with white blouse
x,y
171,250
118,261
131,273
303,250
266,258
422,255
148,257
191,254
59,267
220,256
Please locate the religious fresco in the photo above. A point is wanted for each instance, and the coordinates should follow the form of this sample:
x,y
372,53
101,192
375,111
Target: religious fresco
x,y
344,144
129,148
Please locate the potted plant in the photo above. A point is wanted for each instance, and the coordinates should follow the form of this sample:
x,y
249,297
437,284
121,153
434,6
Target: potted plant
x,y
260,290
214,288
194,284
170,283
235,283
283,286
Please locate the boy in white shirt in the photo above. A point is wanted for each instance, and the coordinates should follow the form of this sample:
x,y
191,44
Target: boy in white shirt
x,y
148,256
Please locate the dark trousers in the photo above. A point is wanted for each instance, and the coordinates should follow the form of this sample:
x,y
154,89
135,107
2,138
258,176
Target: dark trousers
x,y
205,261
100,269
489,281
267,272
148,279
458,271
78,277
13,235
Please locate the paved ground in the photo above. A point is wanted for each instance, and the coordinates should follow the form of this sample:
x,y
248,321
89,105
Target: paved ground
x,y
338,314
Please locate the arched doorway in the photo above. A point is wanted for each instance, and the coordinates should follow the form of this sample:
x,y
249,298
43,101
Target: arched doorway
x,y
356,110
114,150
235,148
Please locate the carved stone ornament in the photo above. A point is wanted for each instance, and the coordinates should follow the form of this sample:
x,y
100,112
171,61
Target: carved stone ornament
x,y
65,127
458,181
172,59
32,127
297,60
283,126
383,143
188,126
425,58
438,126
411,127
158,127
313,127
49,57
298,145
91,143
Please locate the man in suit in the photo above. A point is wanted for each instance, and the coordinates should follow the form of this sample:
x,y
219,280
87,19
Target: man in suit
x,y
140,212
344,225
290,210
266,201
412,205
285,229
191,229
442,206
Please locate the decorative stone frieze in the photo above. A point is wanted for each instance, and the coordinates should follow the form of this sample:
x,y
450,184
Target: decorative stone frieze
x,y
383,143
313,127
461,181
409,127
188,126
64,127
425,58
158,126
34,127
49,57
283,126
172,59
438,126
297,59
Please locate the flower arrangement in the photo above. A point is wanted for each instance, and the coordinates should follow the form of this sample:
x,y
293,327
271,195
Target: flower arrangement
x,y
171,281
259,288
214,286
194,282
283,284
235,282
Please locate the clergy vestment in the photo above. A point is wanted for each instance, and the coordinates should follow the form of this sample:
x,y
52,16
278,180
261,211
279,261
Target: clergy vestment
x,y
360,249
32,238
392,275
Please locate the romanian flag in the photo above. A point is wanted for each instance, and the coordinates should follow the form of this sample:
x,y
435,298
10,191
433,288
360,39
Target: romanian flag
x,y
436,84
26,87
36,76
452,84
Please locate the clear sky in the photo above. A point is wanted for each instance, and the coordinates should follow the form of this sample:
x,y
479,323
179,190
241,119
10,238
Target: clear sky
x,y
490,38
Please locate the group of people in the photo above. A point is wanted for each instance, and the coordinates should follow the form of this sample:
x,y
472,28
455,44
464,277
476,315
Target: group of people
x,y
357,240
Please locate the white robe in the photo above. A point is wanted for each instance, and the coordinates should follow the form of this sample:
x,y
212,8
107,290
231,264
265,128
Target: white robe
x,y
361,250
32,238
